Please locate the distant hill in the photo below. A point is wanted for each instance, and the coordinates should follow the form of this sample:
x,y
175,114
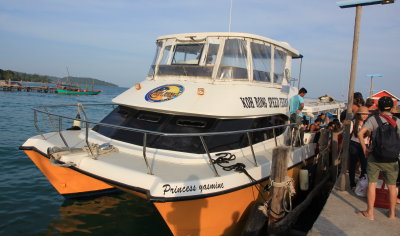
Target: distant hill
x,y
20,76
82,81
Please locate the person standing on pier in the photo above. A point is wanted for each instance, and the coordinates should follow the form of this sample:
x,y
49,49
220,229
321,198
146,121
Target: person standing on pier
x,y
355,149
383,155
296,105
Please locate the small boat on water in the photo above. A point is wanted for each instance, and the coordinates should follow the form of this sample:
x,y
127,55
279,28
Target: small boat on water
x,y
75,90
195,138
70,89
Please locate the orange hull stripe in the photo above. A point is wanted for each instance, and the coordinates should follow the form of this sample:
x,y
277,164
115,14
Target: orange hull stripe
x,y
66,180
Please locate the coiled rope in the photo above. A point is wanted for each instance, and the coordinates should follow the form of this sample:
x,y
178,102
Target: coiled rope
x,y
226,157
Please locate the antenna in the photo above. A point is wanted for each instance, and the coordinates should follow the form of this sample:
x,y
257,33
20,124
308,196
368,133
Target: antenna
x,y
68,78
230,16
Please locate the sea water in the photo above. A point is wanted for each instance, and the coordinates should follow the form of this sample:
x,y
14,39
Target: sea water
x,y
29,205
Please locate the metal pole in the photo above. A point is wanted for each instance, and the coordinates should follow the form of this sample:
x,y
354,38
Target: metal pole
x,y
144,154
209,156
370,88
252,149
230,17
346,133
301,65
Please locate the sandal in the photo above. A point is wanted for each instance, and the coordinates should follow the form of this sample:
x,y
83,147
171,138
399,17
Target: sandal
x,y
365,214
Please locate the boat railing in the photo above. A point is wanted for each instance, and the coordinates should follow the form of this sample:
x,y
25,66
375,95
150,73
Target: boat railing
x,y
81,109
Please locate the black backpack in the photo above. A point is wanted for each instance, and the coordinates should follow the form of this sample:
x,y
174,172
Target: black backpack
x,y
386,143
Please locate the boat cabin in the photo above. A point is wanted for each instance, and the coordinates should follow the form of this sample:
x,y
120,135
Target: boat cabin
x,y
207,62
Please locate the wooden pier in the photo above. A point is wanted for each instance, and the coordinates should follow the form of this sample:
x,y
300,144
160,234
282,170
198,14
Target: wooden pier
x,y
27,88
339,217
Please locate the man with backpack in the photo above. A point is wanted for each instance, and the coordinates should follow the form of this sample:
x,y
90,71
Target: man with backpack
x,y
382,155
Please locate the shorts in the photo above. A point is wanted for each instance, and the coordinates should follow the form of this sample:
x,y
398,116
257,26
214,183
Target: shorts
x,y
390,171
295,119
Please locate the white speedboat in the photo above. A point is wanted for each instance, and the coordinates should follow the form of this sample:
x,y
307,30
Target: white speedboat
x,y
212,103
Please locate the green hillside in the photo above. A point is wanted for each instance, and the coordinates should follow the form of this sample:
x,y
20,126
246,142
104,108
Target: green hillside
x,y
20,76
83,82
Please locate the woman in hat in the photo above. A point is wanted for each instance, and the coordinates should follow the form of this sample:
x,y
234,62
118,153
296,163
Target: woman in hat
x,y
355,149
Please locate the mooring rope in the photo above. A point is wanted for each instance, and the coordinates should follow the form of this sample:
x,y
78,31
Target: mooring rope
x,y
55,153
226,157
289,192
98,150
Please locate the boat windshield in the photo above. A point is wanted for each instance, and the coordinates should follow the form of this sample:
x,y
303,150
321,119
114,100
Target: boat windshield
x,y
187,54
221,58
184,60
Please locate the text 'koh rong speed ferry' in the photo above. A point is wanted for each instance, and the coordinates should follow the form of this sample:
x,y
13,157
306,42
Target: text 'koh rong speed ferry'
x,y
212,103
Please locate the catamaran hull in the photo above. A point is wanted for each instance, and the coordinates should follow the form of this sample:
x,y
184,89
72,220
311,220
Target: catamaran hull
x,y
68,182
225,214
219,214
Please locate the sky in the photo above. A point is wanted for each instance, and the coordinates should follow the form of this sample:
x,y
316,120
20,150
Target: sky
x,y
114,40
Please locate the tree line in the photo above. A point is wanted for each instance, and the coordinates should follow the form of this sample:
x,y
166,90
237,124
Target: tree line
x,y
81,81
19,76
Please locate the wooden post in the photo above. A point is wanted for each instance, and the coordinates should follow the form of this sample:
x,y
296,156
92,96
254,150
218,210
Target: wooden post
x,y
335,155
335,148
278,174
346,134
323,161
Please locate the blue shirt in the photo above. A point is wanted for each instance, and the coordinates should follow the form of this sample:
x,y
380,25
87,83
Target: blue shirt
x,y
294,104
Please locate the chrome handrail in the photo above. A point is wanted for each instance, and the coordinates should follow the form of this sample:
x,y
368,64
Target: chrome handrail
x,y
59,132
147,132
209,156
251,147
80,108
144,154
51,121
35,122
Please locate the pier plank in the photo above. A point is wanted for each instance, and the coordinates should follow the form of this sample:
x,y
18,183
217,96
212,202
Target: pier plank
x,y
26,88
339,217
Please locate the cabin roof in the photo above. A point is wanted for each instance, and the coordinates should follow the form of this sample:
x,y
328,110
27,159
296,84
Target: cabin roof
x,y
197,36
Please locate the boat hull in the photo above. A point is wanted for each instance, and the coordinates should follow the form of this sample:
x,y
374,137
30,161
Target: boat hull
x,y
219,215
224,214
81,92
66,181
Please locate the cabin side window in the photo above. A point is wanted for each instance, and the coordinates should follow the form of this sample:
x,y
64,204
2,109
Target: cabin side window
x,y
168,123
261,62
212,54
153,65
268,122
279,65
165,56
234,60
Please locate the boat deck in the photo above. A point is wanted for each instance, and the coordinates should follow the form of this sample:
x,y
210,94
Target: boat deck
x,y
128,165
339,217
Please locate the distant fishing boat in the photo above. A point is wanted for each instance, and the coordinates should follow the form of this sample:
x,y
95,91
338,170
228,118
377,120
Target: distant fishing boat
x,y
71,89
74,89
